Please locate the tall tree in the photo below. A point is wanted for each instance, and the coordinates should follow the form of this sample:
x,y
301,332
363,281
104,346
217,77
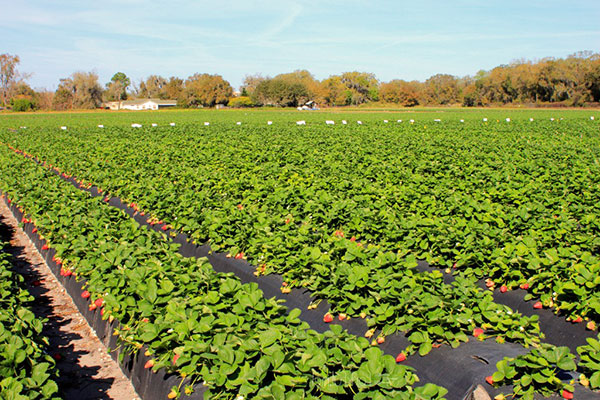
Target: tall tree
x,y
363,85
441,89
280,92
174,88
400,92
335,92
153,87
9,76
80,91
250,83
116,89
206,90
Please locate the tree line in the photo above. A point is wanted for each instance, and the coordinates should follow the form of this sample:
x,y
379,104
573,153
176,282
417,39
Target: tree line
x,y
570,81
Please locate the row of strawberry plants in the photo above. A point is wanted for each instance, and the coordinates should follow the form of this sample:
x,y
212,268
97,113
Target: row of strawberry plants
x,y
205,326
421,305
27,371
549,370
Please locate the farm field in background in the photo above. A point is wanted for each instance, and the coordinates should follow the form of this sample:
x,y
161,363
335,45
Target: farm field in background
x,y
509,197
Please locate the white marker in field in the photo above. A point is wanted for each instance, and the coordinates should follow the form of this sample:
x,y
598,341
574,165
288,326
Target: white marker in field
x,y
385,121
462,120
64,128
172,124
437,120
100,126
238,123
485,120
399,121
136,125
206,123
530,119
592,118
24,127
301,122
412,121
330,122
344,122
154,125
551,119
507,119
359,122
269,122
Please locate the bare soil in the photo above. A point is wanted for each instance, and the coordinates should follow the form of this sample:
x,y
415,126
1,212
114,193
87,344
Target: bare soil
x,y
86,369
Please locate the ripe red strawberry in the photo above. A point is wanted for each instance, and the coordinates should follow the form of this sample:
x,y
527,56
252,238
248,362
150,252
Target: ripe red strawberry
x,y
106,199
149,364
239,256
240,207
538,305
102,311
353,239
591,325
164,227
68,272
477,332
327,318
288,220
85,294
342,317
92,306
489,283
145,320
524,286
380,340
400,357
503,289
99,302
567,395
175,358
45,247
339,233
489,380
578,320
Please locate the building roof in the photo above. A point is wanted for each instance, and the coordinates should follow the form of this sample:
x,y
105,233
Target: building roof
x,y
160,102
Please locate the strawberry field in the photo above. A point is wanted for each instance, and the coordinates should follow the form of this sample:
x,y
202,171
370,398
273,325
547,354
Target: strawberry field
x,y
417,229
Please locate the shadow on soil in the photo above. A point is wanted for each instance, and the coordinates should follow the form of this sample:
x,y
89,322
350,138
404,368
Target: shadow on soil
x,y
75,382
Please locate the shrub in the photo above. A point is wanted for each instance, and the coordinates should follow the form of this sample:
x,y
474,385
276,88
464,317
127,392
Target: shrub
x,y
240,102
22,105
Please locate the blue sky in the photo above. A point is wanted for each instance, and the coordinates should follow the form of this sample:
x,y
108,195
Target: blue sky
x,y
393,39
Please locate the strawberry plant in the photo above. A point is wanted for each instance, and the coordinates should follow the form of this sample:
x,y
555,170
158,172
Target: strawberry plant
x,y
26,370
536,372
590,363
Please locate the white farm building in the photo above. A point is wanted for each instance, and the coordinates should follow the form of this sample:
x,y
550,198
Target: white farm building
x,y
140,104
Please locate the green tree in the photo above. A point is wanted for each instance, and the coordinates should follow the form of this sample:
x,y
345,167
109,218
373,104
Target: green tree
x,y
116,89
